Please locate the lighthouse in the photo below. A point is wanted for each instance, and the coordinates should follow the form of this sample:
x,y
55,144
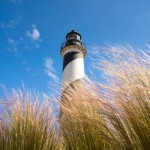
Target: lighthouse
x,y
73,52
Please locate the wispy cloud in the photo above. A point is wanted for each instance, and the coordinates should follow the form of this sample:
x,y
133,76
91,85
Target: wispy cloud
x,y
12,24
11,41
34,34
16,1
49,69
14,44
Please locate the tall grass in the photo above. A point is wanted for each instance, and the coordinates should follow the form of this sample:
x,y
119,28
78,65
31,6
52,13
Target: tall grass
x,y
115,114
83,125
110,115
26,123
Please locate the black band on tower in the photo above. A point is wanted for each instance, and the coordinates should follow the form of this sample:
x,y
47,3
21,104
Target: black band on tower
x,y
70,56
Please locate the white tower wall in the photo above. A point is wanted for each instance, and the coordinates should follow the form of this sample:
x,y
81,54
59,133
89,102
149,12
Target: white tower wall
x,y
73,71
73,53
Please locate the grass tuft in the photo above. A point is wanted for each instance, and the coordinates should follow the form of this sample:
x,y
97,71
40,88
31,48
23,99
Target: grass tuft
x,y
26,123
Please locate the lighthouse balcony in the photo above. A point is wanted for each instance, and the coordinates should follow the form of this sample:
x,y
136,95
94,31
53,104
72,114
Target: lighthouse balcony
x,y
72,42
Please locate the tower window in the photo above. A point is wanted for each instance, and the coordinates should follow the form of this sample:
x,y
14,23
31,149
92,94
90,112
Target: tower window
x,y
73,36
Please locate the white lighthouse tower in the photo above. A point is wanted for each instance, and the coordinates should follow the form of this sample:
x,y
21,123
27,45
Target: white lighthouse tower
x,y
73,52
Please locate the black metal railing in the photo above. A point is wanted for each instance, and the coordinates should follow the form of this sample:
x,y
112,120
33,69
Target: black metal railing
x,y
72,42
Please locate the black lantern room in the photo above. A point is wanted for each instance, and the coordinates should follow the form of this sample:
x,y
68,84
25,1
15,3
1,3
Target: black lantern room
x,y
72,38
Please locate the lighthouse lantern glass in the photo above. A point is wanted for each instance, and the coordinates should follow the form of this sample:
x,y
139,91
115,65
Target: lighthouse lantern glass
x,y
73,36
78,37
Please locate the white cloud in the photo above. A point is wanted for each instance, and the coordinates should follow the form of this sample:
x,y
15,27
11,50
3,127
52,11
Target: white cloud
x,y
28,69
49,62
15,44
12,23
34,34
11,41
13,47
37,46
16,1
13,1
50,70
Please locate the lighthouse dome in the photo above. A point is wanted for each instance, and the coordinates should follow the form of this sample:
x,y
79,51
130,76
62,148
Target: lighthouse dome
x,y
73,40
73,35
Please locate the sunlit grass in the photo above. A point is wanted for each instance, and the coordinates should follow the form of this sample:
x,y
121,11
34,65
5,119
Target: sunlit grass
x,y
109,115
26,123
114,115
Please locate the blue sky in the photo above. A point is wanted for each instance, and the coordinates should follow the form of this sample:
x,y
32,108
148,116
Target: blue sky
x,y
32,31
